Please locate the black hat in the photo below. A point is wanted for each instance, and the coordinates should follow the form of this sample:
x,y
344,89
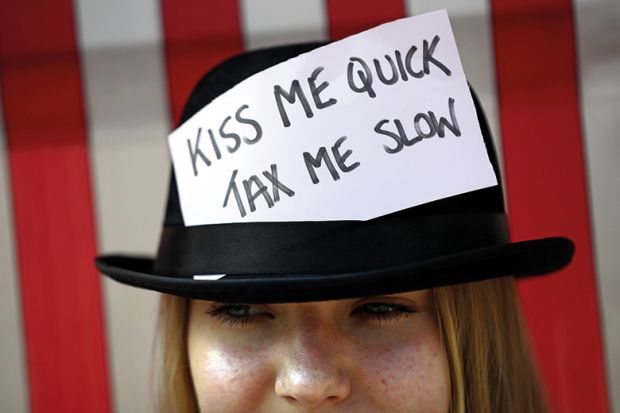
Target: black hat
x,y
459,239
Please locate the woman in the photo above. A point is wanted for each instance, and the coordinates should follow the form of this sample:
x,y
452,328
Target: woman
x,y
415,310
476,328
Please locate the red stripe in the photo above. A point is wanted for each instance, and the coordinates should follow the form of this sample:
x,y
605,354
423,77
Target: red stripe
x,y
53,211
547,193
347,18
198,35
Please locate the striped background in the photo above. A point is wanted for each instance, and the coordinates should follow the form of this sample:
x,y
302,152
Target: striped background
x,y
89,89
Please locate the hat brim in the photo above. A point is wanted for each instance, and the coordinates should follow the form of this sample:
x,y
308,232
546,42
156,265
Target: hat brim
x,y
524,258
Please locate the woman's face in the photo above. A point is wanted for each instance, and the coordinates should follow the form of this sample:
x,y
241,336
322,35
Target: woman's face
x,y
374,354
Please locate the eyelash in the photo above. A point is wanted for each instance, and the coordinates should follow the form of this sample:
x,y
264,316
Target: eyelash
x,y
221,312
393,312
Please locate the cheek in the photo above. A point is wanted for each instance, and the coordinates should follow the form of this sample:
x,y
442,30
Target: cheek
x,y
225,378
408,377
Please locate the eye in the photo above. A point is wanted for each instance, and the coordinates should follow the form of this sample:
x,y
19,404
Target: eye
x,y
382,311
236,314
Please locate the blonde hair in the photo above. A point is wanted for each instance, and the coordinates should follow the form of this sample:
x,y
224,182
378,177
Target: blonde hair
x,y
491,368
481,327
176,390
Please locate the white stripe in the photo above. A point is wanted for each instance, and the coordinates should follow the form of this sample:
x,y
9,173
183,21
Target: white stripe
x,y
210,277
598,45
471,23
128,117
13,384
277,22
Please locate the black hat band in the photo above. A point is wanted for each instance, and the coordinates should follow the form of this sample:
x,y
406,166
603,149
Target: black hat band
x,y
323,247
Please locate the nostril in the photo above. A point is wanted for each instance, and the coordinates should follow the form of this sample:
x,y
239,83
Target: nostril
x,y
289,399
314,386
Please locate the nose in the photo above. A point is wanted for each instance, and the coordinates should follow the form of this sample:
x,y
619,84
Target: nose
x,y
313,369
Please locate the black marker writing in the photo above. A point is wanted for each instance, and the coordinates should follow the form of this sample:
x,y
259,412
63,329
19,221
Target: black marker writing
x,y
297,92
276,185
196,152
290,97
247,121
426,126
216,148
389,70
364,75
232,187
400,138
417,124
262,190
443,122
393,78
427,57
210,153
313,162
341,158
230,135
255,188
316,90
401,67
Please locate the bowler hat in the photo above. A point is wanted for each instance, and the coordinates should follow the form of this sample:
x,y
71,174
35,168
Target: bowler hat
x,y
462,238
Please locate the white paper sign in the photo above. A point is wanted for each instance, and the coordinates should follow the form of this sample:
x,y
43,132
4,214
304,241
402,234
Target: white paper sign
x,y
369,125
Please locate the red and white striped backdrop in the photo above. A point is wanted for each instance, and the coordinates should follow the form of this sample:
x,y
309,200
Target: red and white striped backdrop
x,y
90,89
